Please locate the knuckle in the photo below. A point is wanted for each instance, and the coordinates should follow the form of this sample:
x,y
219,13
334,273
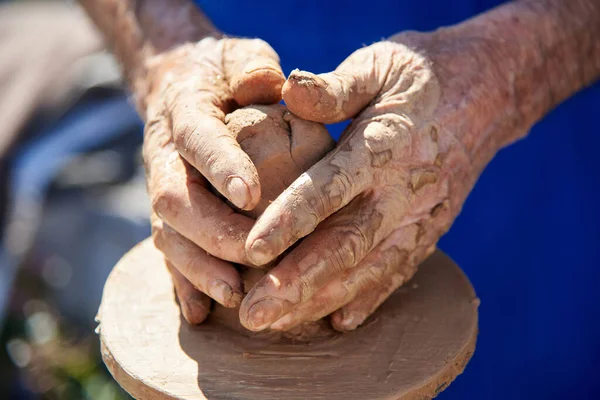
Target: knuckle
x,y
376,272
212,162
415,258
348,249
264,48
258,43
190,264
388,137
383,47
358,231
366,56
164,201
334,194
184,132
157,142
356,243
317,203
158,237
386,269
305,288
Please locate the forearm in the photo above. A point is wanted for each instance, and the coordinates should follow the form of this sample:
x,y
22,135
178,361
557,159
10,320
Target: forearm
x,y
526,57
136,30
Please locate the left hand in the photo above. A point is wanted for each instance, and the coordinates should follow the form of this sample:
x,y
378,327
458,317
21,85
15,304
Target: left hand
x,y
381,199
187,145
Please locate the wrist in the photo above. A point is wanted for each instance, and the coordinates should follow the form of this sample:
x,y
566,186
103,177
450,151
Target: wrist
x,y
140,31
166,25
544,50
171,29
504,70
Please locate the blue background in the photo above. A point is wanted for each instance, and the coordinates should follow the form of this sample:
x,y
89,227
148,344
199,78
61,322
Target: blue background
x,y
528,234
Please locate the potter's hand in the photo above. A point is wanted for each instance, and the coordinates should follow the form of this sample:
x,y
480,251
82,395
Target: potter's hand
x,y
187,146
185,77
431,110
379,201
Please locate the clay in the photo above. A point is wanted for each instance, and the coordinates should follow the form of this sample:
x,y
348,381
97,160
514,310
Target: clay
x,y
414,345
281,145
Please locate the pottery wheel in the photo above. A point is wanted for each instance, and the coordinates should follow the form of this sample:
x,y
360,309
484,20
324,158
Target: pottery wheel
x,y
418,341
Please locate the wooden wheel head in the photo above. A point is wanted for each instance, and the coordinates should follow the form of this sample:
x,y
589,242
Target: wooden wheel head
x,y
418,341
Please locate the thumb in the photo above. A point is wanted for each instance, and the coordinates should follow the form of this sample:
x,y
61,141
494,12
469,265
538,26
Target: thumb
x,y
341,94
252,69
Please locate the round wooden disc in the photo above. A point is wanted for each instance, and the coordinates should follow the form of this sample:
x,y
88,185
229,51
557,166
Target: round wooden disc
x,y
418,341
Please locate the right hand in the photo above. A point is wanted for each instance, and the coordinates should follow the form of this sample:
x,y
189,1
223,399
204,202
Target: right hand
x,y
187,148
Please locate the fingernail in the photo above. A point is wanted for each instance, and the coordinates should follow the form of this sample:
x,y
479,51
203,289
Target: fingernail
x,y
344,320
238,192
259,253
261,65
263,313
351,321
219,290
305,79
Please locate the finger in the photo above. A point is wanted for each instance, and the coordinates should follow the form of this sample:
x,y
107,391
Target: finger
x,y
335,247
394,264
330,298
341,94
324,189
252,69
369,276
212,276
354,314
195,305
180,198
196,107
182,201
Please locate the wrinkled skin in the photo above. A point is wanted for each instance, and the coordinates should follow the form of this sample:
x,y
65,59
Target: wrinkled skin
x,y
430,111
390,185
425,124
187,146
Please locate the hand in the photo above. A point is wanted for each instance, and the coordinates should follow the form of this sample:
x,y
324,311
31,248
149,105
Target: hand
x,y
187,146
382,198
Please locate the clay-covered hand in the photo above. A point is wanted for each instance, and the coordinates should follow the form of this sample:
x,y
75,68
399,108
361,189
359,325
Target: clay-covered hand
x,y
379,202
187,148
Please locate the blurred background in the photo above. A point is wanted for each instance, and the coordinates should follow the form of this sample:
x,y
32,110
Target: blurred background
x,y
73,200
